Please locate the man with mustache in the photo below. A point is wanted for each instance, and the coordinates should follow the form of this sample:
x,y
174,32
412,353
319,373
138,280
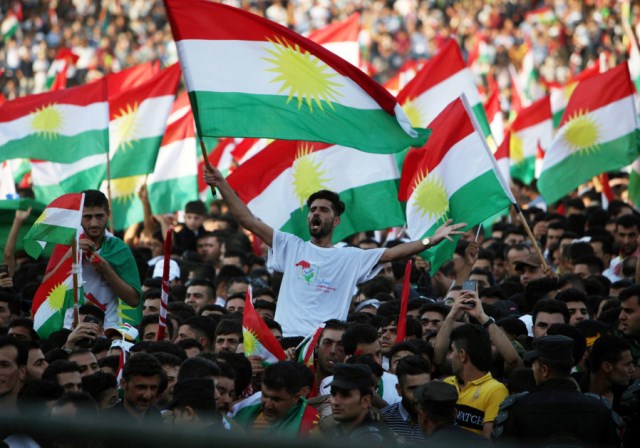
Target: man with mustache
x,y
319,279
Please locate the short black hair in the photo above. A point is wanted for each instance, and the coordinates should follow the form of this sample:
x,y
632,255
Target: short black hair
x,y
202,325
412,365
336,204
196,207
142,364
12,301
96,198
607,348
229,326
197,367
57,367
358,334
283,375
631,291
153,319
98,383
475,341
551,306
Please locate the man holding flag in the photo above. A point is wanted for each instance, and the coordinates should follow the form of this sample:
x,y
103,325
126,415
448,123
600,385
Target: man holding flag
x,y
319,280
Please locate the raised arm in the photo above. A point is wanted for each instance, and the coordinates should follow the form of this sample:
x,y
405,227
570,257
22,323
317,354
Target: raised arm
x,y
415,247
238,209
9,256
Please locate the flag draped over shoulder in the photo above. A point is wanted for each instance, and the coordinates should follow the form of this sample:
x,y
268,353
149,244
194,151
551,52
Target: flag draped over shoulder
x,y
58,224
279,84
453,176
257,337
441,80
598,133
60,126
276,183
55,295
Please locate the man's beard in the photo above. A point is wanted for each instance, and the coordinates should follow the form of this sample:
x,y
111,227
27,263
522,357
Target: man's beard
x,y
320,232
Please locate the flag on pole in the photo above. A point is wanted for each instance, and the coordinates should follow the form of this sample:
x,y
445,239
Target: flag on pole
x,y
61,126
503,158
55,295
494,117
58,224
307,347
560,94
341,38
257,337
404,304
532,127
164,295
280,84
403,76
598,133
440,81
276,183
444,179
59,69
544,15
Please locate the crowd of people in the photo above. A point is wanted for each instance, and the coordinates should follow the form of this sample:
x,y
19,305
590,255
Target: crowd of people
x,y
500,345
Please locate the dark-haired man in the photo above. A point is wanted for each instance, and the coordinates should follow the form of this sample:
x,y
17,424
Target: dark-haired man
x,y
629,322
109,270
319,280
13,370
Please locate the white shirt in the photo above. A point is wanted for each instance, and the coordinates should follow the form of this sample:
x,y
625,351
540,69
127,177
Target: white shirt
x,y
318,282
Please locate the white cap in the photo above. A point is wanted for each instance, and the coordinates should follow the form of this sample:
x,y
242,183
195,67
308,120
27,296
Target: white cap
x,y
174,269
124,330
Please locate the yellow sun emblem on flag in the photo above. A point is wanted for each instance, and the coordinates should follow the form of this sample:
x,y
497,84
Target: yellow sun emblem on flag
x,y
57,295
307,173
581,133
41,218
431,196
250,342
516,148
125,188
302,74
47,121
414,113
127,128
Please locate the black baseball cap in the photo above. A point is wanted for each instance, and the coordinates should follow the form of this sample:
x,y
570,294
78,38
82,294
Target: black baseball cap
x,y
554,348
352,376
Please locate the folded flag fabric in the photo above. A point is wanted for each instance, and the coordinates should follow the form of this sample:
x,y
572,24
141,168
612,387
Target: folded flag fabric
x,y
257,337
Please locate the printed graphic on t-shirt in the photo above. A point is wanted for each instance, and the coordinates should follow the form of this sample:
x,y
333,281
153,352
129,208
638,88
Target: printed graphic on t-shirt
x,y
307,271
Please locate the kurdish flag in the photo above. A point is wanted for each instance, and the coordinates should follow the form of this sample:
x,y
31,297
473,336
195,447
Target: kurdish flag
x,y
441,80
60,126
58,224
276,183
494,116
136,127
598,133
55,295
454,176
532,127
307,347
257,337
279,84
51,179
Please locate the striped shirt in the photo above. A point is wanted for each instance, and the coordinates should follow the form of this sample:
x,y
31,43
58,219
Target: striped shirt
x,y
398,419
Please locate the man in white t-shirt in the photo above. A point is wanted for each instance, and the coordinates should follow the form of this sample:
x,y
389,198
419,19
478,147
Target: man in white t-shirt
x,y
319,279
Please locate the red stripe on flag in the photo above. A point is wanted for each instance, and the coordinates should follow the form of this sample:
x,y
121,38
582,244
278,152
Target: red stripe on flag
x,y
164,83
404,304
446,63
343,31
534,114
612,85
251,320
504,149
180,129
130,78
205,20
70,201
449,127
95,92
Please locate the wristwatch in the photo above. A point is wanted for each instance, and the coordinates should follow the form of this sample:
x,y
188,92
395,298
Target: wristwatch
x,y
426,241
489,322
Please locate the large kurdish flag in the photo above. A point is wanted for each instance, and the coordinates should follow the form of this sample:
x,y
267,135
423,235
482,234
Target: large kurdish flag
x,y
60,126
440,81
560,94
279,84
532,127
276,183
58,224
598,133
452,177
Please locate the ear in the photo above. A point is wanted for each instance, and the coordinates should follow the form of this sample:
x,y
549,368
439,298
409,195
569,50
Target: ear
x,y
464,357
22,373
365,401
336,221
297,396
123,384
189,413
606,367
399,389
544,369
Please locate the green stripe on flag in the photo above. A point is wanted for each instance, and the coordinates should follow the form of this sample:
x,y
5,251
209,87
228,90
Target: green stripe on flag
x,y
60,148
560,179
557,118
370,207
524,170
481,116
372,130
137,157
171,195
